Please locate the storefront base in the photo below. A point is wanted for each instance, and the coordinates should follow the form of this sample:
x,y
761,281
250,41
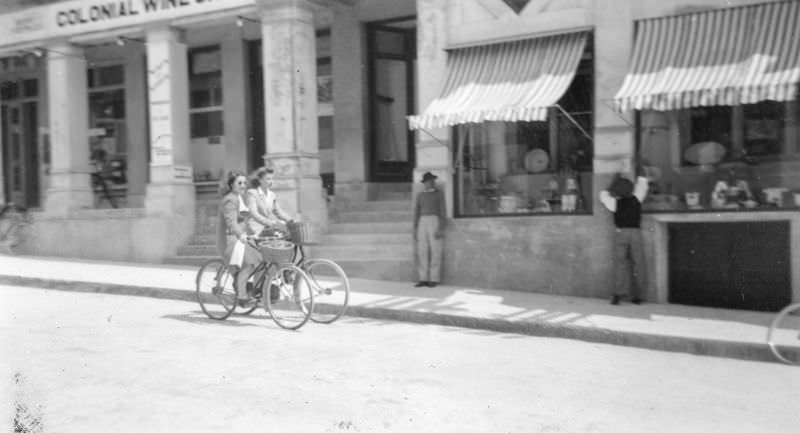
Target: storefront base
x,y
546,254
108,234
657,242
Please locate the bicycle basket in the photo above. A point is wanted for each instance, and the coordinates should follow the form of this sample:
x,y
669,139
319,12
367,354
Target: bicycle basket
x,y
303,233
276,251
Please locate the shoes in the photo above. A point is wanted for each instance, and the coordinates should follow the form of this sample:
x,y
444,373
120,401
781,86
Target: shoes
x,y
615,300
422,284
246,303
636,301
432,283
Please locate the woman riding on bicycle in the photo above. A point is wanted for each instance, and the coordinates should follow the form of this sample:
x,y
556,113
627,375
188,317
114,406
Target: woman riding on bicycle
x,y
232,232
265,213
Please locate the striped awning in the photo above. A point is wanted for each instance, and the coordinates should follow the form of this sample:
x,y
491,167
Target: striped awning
x,y
511,81
730,56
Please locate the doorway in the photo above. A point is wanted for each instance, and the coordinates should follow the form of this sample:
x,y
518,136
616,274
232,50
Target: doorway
x,y
19,125
392,51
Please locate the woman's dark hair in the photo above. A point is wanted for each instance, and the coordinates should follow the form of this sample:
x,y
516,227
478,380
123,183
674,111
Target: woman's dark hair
x,y
226,183
255,177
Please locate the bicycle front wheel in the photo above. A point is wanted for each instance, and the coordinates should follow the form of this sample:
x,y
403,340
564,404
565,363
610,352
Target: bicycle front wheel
x,y
783,336
215,289
291,298
331,289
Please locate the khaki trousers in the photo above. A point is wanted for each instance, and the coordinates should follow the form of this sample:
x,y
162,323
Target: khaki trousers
x,y
429,249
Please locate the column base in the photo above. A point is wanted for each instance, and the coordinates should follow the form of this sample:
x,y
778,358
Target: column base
x,y
62,201
68,191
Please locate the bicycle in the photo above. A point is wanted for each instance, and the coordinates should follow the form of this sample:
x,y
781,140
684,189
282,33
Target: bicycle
x,y
330,284
281,288
14,220
783,336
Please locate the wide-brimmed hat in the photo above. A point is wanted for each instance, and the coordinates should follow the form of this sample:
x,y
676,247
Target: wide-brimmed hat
x,y
428,176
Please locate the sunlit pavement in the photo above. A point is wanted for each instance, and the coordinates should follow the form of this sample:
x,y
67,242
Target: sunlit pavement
x,y
105,363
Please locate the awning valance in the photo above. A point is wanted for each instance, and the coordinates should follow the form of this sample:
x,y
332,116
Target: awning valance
x,y
728,56
512,81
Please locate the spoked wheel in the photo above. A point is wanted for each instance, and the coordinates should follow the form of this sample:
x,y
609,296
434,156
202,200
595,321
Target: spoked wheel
x,y
331,289
215,289
291,299
783,336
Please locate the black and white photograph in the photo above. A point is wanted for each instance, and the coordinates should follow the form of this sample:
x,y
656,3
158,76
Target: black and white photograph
x,y
400,216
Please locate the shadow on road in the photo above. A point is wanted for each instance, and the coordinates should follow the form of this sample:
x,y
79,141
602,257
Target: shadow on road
x,y
200,318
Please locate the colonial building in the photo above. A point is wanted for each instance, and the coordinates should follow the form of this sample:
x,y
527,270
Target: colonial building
x,y
524,109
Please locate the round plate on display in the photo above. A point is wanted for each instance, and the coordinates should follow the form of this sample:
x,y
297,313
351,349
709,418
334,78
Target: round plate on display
x,y
705,153
536,161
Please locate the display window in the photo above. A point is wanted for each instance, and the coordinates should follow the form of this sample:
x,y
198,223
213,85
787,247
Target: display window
x,y
740,157
530,168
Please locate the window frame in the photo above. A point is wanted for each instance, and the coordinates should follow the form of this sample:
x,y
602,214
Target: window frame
x,y
210,108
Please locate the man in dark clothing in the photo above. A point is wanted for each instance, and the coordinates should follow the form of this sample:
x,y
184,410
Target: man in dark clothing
x,y
624,199
429,220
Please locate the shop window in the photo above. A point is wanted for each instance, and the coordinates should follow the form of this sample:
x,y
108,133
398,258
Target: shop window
x,y
108,144
513,168
107,133
740,157
9,90
205,92
105,76
207,124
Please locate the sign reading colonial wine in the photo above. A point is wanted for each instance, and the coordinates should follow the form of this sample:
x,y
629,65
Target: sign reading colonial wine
x,y
82,16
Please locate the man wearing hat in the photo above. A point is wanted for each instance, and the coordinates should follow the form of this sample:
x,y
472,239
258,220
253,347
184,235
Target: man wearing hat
x,y
429,220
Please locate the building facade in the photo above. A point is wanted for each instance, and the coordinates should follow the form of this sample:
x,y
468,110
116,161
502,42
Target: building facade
x,y
524,109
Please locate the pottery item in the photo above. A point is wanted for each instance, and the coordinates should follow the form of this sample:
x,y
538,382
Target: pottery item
x,y
693,199
775,195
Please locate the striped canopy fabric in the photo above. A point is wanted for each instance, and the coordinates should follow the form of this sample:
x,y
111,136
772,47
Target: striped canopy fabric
x,y
511,81
728,56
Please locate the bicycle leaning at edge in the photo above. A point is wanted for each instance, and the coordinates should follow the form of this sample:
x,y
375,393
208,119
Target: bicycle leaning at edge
x,y
14,221
783,336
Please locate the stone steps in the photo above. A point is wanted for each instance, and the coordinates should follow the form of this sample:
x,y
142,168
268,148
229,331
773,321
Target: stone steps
x,y
370,239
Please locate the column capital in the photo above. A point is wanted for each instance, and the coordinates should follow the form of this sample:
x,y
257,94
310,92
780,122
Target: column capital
x,y
65,50
165,34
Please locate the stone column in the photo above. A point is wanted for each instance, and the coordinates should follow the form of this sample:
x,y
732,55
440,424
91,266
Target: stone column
x,y
349,76
69,130
290,95
136,119
433,153
170,191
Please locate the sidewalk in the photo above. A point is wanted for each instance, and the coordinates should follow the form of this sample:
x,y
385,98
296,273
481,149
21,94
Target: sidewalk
x,y
702,331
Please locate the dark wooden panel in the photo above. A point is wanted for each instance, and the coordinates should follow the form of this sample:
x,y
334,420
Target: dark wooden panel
x,y
730,265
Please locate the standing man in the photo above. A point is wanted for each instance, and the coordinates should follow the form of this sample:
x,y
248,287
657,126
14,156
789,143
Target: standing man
x,y
624,199
429,221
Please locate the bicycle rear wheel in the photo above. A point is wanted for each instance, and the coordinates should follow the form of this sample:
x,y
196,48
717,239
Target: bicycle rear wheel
x,y
783,336
291,298
215,289
331,289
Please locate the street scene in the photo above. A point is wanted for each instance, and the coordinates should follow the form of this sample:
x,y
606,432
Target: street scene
x,y
89,362
400,215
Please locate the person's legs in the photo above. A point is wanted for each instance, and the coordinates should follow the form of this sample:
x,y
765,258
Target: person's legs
x,y
424,237
638,287
437,246
620,265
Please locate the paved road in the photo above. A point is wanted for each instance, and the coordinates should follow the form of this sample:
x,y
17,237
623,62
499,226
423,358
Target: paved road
x,y
93,362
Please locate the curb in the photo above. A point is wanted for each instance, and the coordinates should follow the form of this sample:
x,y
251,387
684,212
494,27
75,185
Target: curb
x,y
696,346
